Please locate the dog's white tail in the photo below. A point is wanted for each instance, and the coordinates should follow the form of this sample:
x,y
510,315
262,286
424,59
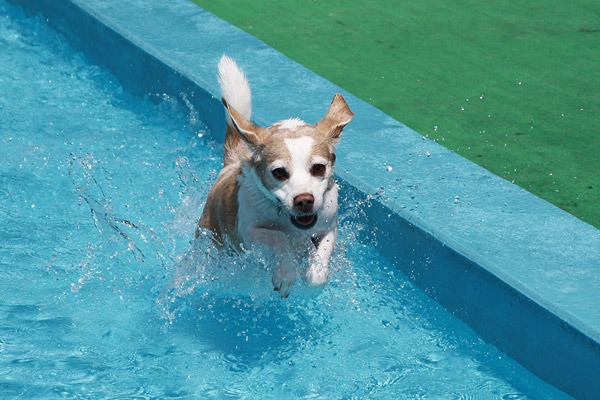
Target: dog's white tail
x,y
234,86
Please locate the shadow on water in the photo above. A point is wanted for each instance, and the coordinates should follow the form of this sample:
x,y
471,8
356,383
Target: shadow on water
x,y
226,303
245,332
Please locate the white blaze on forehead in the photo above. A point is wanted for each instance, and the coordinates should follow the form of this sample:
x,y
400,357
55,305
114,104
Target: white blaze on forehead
x,y
291,123
301,180
300,150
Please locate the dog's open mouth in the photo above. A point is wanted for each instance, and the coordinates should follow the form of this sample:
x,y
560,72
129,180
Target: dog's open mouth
x,y
304,221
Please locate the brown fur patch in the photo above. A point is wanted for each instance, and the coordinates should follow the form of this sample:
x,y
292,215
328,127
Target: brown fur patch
x,y
275,149
221,208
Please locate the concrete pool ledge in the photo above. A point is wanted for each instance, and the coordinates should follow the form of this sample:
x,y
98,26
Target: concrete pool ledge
x,y
523,273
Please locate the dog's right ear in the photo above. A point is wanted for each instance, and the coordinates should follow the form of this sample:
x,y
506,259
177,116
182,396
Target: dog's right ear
x,y
337,117
250,133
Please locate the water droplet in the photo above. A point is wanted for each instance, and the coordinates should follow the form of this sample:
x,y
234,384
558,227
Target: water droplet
x,y
428,154
462,108
481,97
389,168
435,128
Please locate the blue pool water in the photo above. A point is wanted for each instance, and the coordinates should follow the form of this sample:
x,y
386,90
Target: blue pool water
x,y
104,293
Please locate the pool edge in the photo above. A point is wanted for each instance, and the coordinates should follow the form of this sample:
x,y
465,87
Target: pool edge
x,y
571,370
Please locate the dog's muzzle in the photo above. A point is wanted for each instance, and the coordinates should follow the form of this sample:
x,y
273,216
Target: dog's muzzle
x,y
303,203
304,221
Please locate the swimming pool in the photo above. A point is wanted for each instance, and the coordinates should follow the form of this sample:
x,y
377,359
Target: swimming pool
x,y
106,298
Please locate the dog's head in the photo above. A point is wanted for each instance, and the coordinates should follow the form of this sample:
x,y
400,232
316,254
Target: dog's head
x,y
293,161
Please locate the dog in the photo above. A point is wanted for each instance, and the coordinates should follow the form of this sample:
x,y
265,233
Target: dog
x,y
276,187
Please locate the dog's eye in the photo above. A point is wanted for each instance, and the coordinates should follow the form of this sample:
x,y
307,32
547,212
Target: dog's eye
x,y
280,174
318,170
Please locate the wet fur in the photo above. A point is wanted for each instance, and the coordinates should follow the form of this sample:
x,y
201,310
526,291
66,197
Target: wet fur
x,y
247,206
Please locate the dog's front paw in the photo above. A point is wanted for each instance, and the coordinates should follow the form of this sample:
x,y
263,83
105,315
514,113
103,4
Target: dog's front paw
x,y
283,280
317,275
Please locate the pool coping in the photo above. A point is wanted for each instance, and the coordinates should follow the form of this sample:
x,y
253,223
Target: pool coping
x,y
501,259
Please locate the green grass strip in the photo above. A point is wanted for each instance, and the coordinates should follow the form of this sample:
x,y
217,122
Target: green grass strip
x,y
512,86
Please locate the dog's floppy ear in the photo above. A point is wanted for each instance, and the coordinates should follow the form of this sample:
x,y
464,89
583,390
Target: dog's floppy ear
x,y
250,133
337,117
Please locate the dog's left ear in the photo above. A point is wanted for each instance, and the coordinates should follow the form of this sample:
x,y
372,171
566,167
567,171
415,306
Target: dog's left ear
x,y
337,117
250,133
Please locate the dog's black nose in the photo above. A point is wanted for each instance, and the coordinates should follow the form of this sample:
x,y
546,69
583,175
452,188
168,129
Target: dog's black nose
x,y
304,202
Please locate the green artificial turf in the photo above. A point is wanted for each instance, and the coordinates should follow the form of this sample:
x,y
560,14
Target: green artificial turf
x,y
513,86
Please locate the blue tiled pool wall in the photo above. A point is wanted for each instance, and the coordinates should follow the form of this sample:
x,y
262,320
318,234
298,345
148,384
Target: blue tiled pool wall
x,y
498,309
500,313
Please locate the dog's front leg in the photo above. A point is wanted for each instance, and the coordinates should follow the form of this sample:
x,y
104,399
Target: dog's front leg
x,y
318,272
284,274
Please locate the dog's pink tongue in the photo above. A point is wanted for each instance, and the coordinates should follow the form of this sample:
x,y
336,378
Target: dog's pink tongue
x,y
306,220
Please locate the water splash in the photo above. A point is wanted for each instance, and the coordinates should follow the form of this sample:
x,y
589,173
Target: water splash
x,y
120,214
